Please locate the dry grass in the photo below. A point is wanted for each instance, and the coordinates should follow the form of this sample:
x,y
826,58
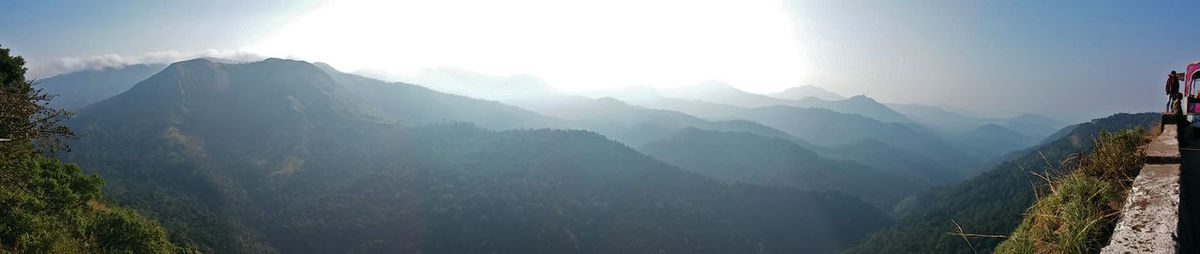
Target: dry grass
x,y
1078,213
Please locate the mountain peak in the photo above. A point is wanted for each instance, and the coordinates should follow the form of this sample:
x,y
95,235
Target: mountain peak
x,y
807,91
207,74
237,96
324,66
863,98
202,61
723,93
991,126
610,101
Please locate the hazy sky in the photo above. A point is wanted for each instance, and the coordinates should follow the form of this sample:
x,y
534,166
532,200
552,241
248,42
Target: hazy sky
x,y
1068,59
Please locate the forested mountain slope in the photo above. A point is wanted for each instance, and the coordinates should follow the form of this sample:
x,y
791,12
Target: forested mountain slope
x,y
748,158
991,203
883,156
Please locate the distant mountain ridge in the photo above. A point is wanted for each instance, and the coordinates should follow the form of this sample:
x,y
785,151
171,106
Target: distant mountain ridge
x,y
284,156
819,126
801,92
633,125
722,93
416,105
956,123
466,83
825,127
78,89
992,140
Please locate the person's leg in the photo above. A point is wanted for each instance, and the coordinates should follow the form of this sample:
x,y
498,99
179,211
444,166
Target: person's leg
x,y
1170,98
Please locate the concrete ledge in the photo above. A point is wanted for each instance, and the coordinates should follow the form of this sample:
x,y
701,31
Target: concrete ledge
x,y
1165,148
1149,221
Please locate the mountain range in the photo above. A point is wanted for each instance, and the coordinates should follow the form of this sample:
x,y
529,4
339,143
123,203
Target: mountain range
x,y
948,121
722,93
631,124
290,156
476,85
636,125
286,156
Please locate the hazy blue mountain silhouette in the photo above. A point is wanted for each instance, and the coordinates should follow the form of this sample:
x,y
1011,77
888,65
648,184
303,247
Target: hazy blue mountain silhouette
x,y
722,93
282,156
993,140
954,123
821,127
630,124
801,92
81,88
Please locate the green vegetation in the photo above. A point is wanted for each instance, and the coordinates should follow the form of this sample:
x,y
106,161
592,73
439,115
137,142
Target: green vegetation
x,y
1081,210
992,203
50,207
47,206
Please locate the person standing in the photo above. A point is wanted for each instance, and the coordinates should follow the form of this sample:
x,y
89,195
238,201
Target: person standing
x,y
1173,92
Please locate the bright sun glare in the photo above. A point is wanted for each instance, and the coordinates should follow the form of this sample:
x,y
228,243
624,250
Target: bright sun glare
x,y
573,45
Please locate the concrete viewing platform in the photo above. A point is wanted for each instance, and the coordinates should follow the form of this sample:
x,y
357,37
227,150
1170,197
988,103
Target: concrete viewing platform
x,y
1165,148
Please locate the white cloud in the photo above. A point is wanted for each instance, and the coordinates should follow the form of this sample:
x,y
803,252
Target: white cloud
x,y
71,64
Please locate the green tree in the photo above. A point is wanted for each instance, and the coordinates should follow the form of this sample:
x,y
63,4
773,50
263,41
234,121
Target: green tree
x,y
25,118
122,230
47,206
